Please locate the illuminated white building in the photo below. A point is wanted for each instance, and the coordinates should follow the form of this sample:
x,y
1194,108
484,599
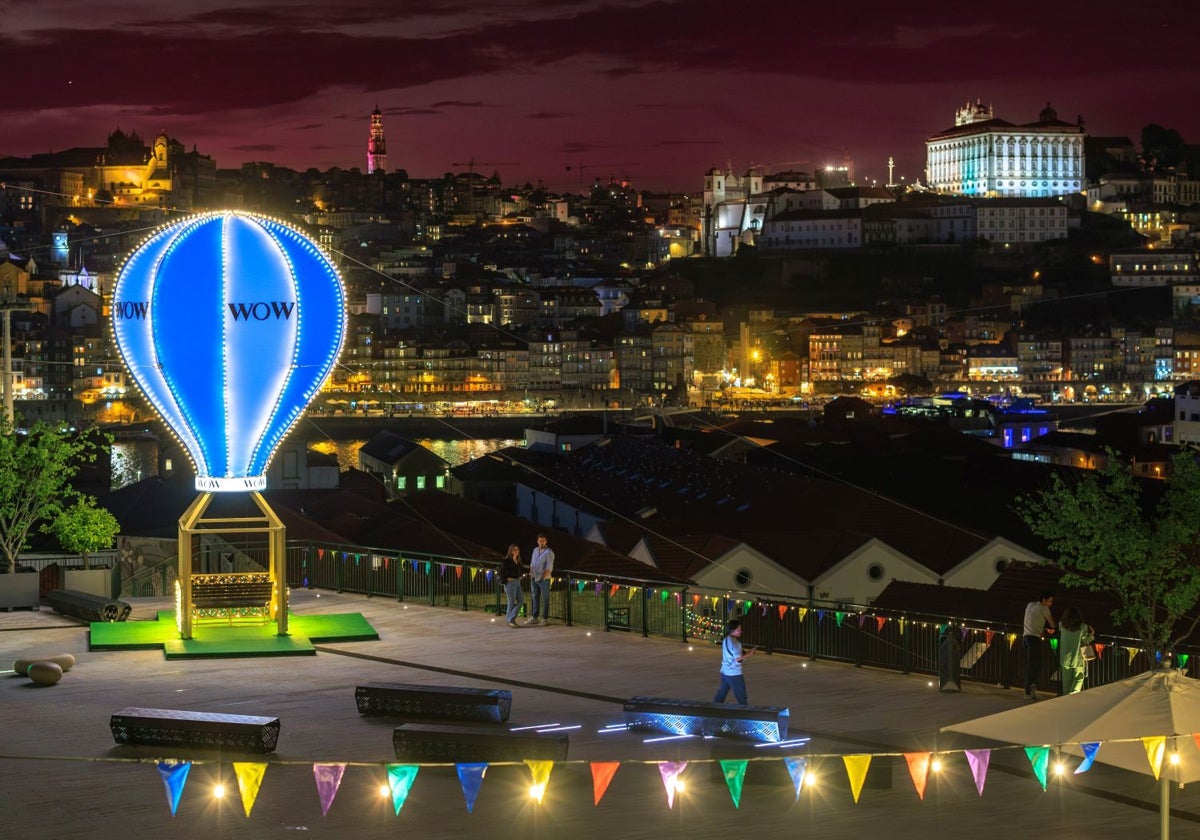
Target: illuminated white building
x,y
985,156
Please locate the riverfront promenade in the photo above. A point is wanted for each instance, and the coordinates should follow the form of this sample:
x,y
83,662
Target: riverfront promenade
x,y
52,786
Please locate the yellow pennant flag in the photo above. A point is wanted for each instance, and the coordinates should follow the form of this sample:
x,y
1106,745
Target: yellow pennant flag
x,y
474,571
632,590
801,612
1133,652
540,770
902,622
856,769
249,777
1012,639
1155,745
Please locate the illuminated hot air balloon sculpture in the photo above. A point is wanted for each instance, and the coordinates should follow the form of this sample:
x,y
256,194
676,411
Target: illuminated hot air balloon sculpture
x,y
229,323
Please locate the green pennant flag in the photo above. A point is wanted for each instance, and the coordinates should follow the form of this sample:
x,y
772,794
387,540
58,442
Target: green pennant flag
x,y
1054,644
1039,758
745,607
664,595
400,778
1182,659
580,584
734,771
839,617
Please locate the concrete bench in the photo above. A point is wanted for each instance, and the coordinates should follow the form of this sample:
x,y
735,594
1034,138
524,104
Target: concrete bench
x,y
174,728
439,743
87,606
484,705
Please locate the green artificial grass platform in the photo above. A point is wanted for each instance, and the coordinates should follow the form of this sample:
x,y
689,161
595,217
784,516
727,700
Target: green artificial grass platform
x,y
223,640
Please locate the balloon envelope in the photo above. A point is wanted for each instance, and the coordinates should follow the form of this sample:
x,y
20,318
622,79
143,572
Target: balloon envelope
x,y
229,323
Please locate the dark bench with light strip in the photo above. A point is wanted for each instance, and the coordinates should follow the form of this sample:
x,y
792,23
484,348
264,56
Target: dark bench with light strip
x,y
176,728
767,724
457,744
245,595
442,702
87,606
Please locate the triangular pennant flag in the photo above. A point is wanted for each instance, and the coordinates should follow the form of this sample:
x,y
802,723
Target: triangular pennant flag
x,y
839,617
664,594
540,771
441,569
329,779
902,622
1039,759
470,776
801,612
357,558
614,589
428,567
458,572
489,574
249,778
174,775
474,571
1089,755
861,618
400,778
978,759
965,631
629,595
918,768
670,772
320,554
602,774
1155,746
988,636
1012,639
796,768
820,616
1054,644
856,769
1182,659
695,599
782,611
598,587
763,611
746,607
941,628
1133,652
678,599
580,584
879,622
734,771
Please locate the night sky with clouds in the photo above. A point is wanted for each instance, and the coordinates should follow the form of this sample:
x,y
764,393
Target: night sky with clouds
x,y
653,90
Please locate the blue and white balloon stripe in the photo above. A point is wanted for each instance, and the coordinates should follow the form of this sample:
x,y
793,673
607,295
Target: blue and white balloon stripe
x,y
229,323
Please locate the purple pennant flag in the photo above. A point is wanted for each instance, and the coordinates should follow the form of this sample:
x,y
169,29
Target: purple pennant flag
x,y
599,587
1089,755
442,569
978,759
861,618
174,775
964,633
671,771
470,776
329,779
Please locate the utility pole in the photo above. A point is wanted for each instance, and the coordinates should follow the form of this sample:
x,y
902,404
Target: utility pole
x,y
8,305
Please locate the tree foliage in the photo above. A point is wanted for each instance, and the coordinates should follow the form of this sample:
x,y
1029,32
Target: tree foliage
x,y
84,528
36,466
1105,540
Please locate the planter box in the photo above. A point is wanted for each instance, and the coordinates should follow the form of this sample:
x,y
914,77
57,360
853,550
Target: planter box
x,y
92,581
19,590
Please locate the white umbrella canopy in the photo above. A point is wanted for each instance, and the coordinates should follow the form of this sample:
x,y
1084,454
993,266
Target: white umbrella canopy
x,y
1162,703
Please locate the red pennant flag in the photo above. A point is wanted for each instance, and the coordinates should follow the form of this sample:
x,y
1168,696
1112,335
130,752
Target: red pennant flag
x,y
987,636
782,611
320,554
695,600
614,589
1099,646
458,572
918,768
602,774
879,622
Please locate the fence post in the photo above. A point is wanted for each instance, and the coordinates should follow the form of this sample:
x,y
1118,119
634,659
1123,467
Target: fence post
x,y
645,612
399,577
683,634
431,582
905,646
570,615
604,618
466,583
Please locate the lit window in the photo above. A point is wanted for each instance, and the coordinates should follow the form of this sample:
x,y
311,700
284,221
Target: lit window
x,y
420,482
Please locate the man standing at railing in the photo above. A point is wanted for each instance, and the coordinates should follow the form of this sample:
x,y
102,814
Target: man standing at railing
x,y
541,565
1037,617
731,665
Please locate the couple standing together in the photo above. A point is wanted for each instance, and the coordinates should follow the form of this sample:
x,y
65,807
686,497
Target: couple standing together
x,y
541,565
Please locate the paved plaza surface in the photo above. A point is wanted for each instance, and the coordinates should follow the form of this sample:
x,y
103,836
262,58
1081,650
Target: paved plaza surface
x,y
57,779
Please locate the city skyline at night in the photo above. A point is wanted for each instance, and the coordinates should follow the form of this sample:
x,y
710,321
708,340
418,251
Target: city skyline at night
x,y
656,92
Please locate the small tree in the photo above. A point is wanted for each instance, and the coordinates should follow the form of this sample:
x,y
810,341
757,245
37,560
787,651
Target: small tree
x,y
84,528
35,468
1105,541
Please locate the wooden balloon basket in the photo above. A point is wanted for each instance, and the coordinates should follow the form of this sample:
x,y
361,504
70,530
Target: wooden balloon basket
x,y
228,597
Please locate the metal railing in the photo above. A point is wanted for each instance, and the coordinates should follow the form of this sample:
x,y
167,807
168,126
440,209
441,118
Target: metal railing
x,y
862,635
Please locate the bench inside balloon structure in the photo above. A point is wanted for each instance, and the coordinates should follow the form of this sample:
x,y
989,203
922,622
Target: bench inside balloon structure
x,y
135,726
236,597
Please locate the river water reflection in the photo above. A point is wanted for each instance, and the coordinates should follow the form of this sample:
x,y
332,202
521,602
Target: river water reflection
x,y
133,460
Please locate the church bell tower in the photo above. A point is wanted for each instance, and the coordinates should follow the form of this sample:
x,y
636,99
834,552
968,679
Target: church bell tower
x,y
376,145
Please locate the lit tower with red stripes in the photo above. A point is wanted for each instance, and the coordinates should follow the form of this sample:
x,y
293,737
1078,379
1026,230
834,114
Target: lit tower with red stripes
x,y
376,145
